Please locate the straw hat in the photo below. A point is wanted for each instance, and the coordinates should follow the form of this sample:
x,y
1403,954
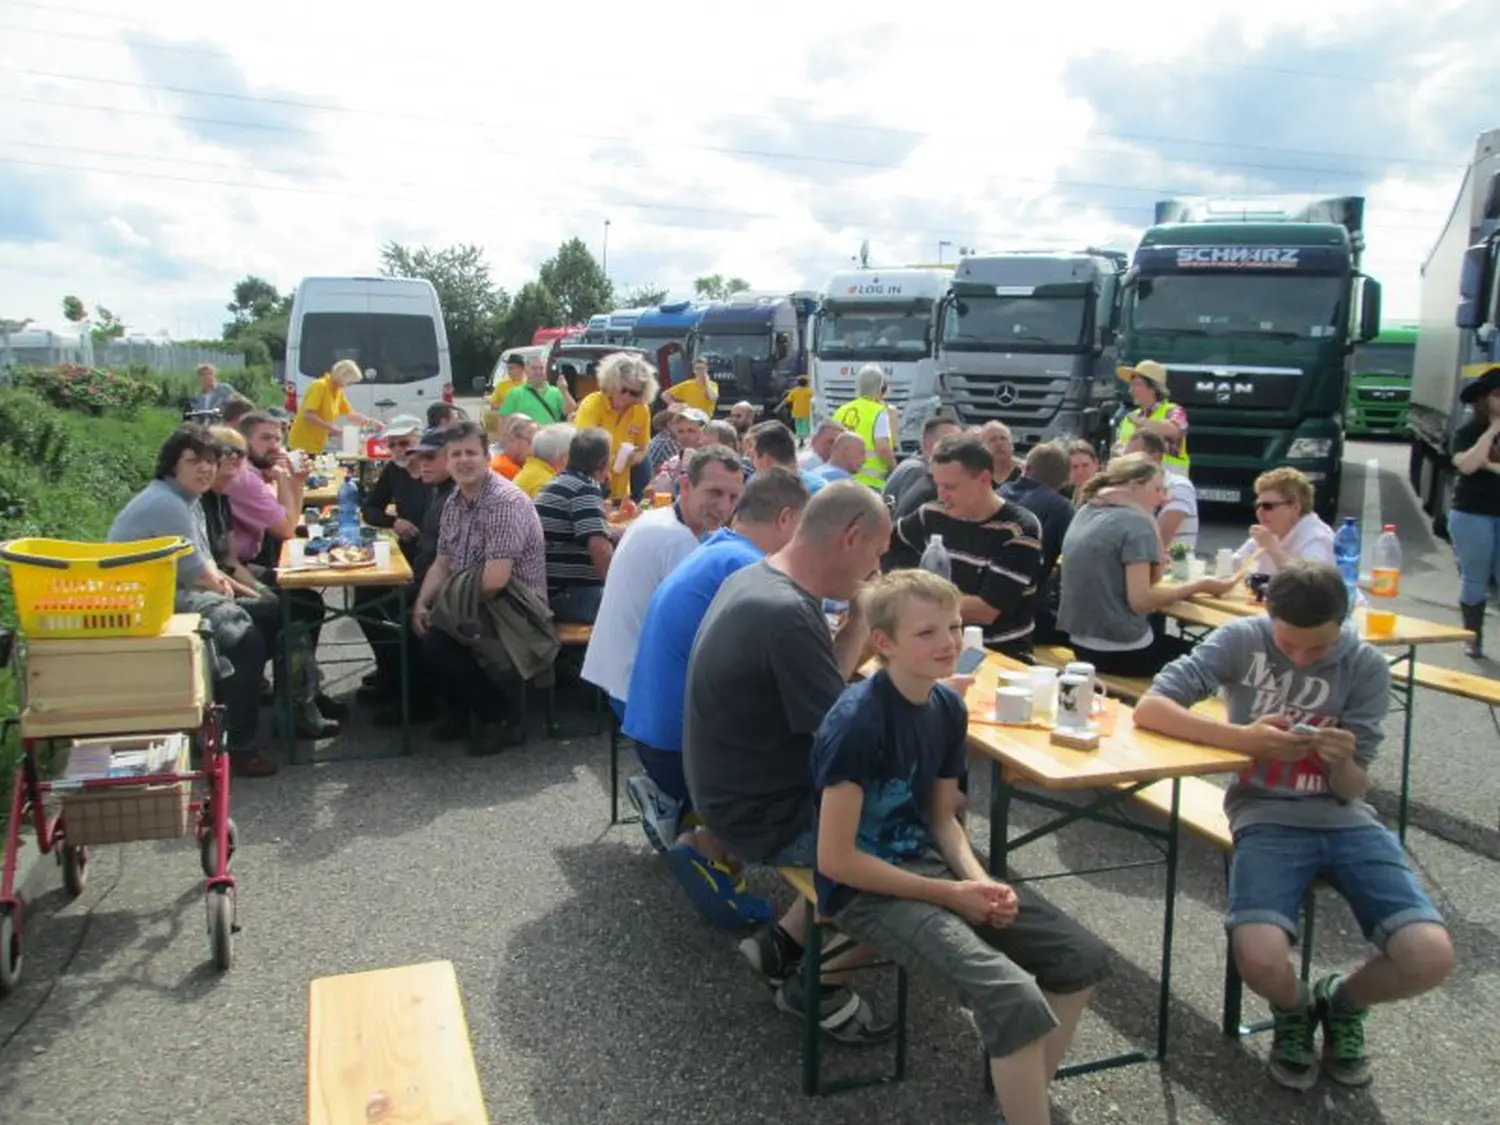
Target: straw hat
x,y
1149,370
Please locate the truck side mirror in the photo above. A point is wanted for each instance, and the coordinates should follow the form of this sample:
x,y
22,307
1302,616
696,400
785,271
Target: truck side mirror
x,y
783,345
1369,310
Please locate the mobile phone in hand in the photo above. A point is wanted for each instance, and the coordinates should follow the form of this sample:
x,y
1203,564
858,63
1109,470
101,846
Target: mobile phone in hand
x,y
1304,728
969,661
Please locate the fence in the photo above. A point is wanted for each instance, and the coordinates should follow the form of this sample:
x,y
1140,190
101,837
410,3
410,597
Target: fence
x,y
51,349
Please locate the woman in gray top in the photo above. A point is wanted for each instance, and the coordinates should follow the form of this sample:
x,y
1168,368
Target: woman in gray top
x,y
1110,564
171,504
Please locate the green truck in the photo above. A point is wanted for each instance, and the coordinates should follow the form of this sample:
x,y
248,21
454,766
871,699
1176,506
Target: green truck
x,y
1254,307
1380,388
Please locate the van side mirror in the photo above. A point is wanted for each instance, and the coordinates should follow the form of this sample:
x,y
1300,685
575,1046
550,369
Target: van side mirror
x,y
1369,310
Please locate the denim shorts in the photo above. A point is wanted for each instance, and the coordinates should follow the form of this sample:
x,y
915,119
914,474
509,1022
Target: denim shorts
x,y
1273,866
1001,975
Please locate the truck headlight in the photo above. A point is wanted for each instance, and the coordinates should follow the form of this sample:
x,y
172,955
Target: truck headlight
x,y
1309,449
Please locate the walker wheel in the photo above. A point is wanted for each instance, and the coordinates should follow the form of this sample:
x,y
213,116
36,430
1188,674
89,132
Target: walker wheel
x,y
10,952
208,849
75,864
221,927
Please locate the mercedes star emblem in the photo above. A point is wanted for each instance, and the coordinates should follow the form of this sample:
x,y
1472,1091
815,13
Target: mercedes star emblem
x,y
1006,393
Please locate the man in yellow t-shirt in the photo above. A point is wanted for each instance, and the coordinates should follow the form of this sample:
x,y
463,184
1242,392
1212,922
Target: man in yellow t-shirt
x,y
513,377
549,454
799,400
324,407
699,392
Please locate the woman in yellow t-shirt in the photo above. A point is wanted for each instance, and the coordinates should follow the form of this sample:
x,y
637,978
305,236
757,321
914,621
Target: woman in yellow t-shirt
x,y
621,407
699,392
324,407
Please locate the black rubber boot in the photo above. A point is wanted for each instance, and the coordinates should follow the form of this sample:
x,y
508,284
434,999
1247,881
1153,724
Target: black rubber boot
x,y
1474,622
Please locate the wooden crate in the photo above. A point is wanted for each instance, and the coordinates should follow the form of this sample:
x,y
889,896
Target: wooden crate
x,y
129,812
116,685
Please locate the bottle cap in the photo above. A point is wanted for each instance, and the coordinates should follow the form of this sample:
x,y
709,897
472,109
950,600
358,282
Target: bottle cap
x,y
1389,527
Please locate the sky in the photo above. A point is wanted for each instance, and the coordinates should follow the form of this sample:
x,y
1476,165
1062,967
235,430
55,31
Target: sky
x,y
152,155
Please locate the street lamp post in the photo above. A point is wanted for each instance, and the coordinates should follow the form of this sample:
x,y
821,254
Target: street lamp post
x,y
941,243
604,257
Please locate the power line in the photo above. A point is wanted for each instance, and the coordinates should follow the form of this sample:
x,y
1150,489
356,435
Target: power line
x,y
1217,66
1082,190
449,120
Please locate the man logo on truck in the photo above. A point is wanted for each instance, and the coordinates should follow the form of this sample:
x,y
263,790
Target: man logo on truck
x,y
1223,391
1250,257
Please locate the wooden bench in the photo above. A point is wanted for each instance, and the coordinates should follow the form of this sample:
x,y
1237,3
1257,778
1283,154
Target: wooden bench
x,y
391,1045
1465,685
815,956
1200,810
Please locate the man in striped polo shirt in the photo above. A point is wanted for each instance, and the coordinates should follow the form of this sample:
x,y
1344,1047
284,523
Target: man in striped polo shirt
x,y
580,543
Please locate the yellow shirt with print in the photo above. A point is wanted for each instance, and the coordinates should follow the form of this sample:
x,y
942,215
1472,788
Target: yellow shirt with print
x,y
633,426
689,393
323,400
800,400
534,476
503,386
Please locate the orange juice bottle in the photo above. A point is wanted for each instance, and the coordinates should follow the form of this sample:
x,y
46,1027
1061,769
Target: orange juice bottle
x,y
1385,568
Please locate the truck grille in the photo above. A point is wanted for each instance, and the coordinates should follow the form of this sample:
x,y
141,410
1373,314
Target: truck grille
x,y
836,391
1384,394
1221,444
1010,398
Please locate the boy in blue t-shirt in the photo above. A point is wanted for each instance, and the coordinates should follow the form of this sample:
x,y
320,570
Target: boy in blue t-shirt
x,y
895,868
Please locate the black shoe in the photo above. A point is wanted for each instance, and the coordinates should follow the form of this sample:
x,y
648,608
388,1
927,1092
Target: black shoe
x,y
373,679
331,708
494,738
267,692
451,728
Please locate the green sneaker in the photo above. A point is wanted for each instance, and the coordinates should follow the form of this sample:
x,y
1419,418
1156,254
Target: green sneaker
x,y
1344,1054
1294,1061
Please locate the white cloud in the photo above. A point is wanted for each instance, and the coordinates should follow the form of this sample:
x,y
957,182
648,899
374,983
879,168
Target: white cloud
x,y
453,123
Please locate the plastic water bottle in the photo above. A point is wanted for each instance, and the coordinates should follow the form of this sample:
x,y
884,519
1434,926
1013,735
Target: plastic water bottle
x,y
1385,571
935,557
1346,558
349,511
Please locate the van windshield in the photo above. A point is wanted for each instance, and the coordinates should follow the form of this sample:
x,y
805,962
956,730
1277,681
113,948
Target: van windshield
x,y
398,348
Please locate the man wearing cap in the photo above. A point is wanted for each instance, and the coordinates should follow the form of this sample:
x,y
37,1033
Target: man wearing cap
x,y
398,487
1154,411
513,378
545,404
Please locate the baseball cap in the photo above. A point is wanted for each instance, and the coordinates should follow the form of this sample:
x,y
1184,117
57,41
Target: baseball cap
x,y
403,425
693,414
515,359
433,439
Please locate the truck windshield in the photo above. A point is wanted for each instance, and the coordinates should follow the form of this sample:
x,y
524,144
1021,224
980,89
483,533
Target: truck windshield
x,y
731,346
1222,304
874,334
1014,323
1384,359
400,349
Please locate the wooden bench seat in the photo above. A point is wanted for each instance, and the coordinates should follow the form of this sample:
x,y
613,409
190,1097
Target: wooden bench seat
x,y
391,1045
1482,689
573,634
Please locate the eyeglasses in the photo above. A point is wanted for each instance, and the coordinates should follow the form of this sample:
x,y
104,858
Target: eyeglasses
x,y
232,454
1270,505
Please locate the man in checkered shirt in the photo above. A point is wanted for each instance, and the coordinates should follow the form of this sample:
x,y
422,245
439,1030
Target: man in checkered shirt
x,y
489,521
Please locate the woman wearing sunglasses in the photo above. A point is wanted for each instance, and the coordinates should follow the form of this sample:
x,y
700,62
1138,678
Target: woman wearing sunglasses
x,y
1286,526
621,406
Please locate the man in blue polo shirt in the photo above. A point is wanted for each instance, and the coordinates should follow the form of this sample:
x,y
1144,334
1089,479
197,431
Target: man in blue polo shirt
x,y
767,514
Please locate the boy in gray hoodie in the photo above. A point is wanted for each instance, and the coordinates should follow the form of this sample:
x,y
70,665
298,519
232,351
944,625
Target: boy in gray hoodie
x,y
1305,699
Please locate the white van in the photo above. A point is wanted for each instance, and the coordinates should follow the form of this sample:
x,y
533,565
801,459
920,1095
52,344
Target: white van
x,y
391,326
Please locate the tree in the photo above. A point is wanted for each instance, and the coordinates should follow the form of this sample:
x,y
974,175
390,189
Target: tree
x,y
74,310
13,324
714,288
107,326
262,318
644,297
575,278
535,306
474,308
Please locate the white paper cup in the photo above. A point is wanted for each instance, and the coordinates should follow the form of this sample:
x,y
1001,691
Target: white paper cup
x,y
1012,705
296,551
1044,694
1018,680
973,637
382,552
1197,568
622,458
1224,563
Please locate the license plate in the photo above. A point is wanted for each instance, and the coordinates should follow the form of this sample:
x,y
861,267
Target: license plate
x,y
1220,495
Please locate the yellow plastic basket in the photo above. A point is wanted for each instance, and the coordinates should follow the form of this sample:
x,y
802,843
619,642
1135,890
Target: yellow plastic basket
x,y
65,589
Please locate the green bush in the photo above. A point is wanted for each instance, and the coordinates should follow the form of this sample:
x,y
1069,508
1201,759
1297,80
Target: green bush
x,y
64,473
91,390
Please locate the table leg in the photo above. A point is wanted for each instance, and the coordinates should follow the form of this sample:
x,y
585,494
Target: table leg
x,y
403,656
1169,918
285,696
1411,706
999,820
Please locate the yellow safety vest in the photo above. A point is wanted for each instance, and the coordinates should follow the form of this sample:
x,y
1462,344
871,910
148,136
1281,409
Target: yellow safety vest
x,y
1177,462
859,417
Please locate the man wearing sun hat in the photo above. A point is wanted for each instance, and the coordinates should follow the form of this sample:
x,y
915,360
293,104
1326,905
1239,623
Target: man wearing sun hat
x,y
1154,411
397,486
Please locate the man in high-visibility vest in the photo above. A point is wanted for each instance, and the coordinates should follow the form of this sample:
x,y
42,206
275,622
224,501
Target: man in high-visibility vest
x,y
868,416
1155,412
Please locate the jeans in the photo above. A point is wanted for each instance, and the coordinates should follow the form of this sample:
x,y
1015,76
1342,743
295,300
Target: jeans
x,y
456,678
1476,542
578,604
1274,864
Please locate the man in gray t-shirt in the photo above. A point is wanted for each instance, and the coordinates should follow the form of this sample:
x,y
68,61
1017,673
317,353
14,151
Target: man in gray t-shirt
x,y
1305,700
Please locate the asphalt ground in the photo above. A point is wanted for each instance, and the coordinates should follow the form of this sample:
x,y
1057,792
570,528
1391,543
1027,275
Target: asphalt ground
x,y
594,994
